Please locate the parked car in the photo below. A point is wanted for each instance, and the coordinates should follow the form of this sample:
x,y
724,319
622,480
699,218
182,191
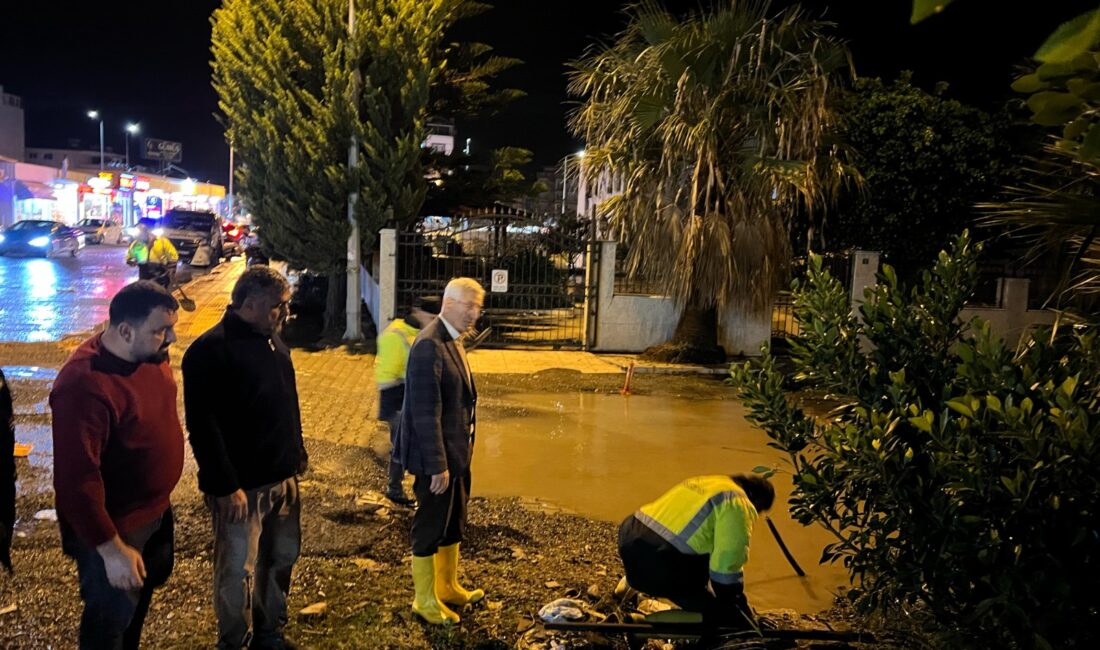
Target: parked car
x,y
97,231
232,234
45,238
198,236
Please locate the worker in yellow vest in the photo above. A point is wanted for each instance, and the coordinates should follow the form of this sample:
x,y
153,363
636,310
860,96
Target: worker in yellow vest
x,y
691,544
154,255
394,344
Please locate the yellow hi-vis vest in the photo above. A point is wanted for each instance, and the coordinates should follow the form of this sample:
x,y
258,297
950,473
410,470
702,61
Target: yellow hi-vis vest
x,y
163,252
394,344
706,515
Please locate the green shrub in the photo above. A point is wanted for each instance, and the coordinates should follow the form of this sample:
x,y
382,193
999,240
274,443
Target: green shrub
x,y
957,473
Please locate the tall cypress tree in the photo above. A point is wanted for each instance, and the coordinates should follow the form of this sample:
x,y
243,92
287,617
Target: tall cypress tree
x,y
283,71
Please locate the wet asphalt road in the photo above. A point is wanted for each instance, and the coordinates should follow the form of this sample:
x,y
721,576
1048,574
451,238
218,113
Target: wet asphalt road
x,y
46,299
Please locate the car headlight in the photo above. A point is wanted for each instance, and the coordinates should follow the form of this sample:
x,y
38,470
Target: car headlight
x,y
40,242
1,238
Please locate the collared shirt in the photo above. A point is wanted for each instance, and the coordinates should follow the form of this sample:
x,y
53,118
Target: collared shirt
x,y
455,334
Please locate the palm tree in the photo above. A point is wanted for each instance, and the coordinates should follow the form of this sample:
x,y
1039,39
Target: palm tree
x,y
716,124
1056,209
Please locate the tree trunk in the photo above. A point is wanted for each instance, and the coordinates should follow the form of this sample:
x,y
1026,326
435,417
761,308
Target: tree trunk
x,y
694,341
334,304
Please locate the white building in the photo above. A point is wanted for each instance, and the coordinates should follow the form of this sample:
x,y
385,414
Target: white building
x,y
78,158
441,135
11,126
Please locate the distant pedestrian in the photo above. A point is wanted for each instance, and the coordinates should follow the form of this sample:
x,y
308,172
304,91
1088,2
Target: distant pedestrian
x,y
154,255
7,473
249,449
436,446
394,344
118,453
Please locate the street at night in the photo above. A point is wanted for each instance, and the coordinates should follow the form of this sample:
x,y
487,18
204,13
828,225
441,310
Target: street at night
x,y
45,299
498,324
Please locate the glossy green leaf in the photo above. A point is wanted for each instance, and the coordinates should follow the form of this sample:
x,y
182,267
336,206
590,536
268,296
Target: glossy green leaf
x,y
1029,83
924,8
1076,128
961,406
1090,148
1071,39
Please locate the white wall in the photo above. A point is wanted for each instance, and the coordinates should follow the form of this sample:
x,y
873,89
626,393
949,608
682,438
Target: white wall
x,y
632,323
741,335
1012,318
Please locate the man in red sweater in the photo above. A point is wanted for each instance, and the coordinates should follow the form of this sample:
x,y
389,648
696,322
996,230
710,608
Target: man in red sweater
x,y
118,453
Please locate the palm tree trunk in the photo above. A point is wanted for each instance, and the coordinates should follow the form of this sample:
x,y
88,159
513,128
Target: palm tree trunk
x,y
695,339
698,327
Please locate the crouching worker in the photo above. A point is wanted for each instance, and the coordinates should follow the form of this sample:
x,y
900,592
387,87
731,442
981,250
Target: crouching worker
x,y
691,544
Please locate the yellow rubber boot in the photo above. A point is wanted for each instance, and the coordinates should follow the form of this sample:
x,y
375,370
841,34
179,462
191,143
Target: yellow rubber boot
x,y
446,579
425,603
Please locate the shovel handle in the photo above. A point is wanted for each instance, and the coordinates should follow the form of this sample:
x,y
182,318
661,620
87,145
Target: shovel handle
x,y
783,547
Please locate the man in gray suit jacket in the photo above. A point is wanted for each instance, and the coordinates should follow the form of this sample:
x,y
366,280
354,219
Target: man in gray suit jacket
x,y
436,446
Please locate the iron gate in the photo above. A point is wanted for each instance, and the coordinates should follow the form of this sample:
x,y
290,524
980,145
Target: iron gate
x,y
548,290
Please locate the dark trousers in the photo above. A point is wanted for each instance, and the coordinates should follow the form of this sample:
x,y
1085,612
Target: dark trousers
x,y
440,519
659,569
113,618
253,560
396,472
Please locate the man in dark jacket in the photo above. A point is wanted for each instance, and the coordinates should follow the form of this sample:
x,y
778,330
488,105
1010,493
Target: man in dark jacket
x,y
7,473
246,431
436,447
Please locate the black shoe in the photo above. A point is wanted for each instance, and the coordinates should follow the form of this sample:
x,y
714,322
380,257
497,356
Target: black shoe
x,y
400,499
281,643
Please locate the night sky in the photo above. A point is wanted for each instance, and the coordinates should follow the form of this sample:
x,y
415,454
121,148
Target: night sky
x,y
149,62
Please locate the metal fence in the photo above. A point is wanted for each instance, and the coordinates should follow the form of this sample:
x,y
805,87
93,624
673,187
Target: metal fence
x,y
637,284
838,264
546,294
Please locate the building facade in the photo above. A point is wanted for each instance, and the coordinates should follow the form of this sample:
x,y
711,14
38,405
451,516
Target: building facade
x,y
11,126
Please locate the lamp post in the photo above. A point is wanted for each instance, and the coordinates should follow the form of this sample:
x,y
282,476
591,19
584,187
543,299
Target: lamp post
x,y
353,330
95,116
131,129
565,175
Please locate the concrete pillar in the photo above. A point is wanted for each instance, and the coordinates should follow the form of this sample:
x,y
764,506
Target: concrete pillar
x,y
1014,296
387,277
864,267
605,290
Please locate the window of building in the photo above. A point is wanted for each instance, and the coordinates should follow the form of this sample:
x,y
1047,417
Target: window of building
x,y
47,156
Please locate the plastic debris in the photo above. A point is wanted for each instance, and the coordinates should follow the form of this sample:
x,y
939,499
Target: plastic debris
x,y
562,610
46,515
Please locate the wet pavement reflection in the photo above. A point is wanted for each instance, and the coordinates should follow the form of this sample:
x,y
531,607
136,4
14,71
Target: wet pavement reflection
x,y
604,455
46,299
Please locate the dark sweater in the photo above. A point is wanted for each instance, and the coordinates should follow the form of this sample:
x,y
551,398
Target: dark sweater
x,y
242,408
117,442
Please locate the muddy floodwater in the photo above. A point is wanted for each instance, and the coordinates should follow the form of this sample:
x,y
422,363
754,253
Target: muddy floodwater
x,y
602,455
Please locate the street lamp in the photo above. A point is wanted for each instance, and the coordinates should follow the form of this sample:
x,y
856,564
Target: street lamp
x,y
95,116
131,129
565,175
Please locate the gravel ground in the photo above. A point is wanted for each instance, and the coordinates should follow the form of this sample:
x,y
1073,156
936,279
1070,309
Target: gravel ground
x,y
355,550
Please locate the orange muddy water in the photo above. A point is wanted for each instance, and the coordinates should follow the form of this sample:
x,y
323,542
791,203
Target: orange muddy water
x,y
603,455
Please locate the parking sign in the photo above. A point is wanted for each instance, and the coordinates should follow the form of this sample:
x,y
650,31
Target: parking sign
x,y
500,281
